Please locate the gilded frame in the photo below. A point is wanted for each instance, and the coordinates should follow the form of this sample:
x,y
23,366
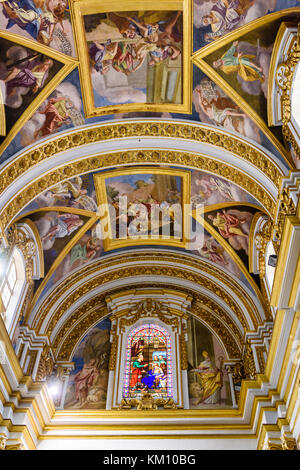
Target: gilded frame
x,y
81,8
109,243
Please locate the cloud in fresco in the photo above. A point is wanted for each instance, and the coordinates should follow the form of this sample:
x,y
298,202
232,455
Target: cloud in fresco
x,y
117,94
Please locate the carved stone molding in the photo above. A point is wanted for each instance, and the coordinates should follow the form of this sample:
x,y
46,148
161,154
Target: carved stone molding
x,y
135,271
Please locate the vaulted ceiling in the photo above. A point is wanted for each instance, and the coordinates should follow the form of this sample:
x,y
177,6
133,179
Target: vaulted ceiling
x,y
100,100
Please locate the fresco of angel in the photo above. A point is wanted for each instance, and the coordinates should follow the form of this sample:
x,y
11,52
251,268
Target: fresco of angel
x,y
123,47
234,226
42,20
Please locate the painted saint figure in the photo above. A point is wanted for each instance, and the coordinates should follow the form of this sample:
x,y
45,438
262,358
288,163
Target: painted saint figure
x,y
225,16
54,225
211,380
84,379
222,112
56,113
28,73
242,64
35,17
138,366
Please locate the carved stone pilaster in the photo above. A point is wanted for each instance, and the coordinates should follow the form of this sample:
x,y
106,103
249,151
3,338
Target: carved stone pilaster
x,y
113,351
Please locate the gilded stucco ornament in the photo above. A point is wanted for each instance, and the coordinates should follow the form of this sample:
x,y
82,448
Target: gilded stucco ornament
x,y
163,157
147,403
148,308
288,442
248,362
261,240
90,271
286,208
3,440
284,78
134,271
46,364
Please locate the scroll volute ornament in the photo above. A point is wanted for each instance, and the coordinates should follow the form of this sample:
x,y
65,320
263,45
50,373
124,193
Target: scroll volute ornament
x,y
262,239
288,442
147,403
3,440
286,208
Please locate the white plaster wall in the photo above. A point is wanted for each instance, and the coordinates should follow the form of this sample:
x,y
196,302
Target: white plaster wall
x,y
147,444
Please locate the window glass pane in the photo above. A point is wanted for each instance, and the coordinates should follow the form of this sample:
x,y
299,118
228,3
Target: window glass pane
x,y
12,276
6,294
148,362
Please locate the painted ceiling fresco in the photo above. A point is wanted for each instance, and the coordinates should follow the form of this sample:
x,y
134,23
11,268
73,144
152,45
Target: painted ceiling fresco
x,y
128,63
71,227
66,64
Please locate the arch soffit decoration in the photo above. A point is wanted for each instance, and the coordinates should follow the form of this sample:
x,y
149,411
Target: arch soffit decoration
x,y
95,270
104,146
68,304
92,312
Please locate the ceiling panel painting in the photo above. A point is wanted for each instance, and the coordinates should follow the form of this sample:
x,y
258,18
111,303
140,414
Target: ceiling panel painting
x,y
46,21
241,68
56,230
143,206
213,19
137,58
24,74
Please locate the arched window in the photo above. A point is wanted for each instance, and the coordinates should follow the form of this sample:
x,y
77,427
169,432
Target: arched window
x,y
270,267
148,364
11,287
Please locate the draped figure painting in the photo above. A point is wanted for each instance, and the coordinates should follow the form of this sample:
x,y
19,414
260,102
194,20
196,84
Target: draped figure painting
x,y
207,379
87,386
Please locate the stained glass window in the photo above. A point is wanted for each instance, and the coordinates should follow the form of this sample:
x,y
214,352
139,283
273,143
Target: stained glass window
x,y
148,366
